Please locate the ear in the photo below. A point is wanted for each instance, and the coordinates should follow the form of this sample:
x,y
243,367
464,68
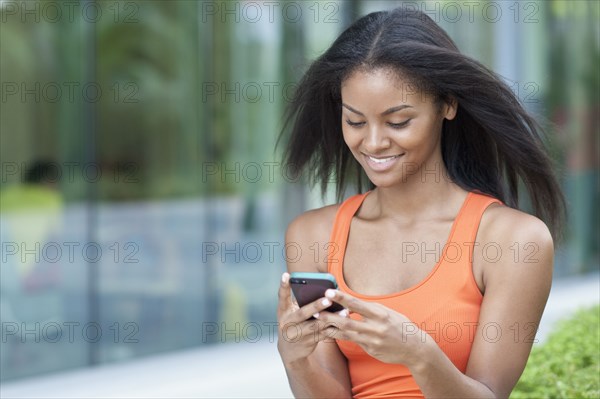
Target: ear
x,y
450,108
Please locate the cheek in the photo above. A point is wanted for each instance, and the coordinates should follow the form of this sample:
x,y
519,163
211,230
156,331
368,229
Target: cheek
x,y
419,136
413,139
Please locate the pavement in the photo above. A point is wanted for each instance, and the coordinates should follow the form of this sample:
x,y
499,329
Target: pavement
x,y
237,370
566,296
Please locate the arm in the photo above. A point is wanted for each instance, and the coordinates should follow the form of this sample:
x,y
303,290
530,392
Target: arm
x,y
314,364
516,291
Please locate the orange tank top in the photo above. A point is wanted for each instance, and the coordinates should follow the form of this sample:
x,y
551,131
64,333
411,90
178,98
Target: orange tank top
x,y
445,304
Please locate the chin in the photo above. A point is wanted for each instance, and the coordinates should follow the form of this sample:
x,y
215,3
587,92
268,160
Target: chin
x,y
386,181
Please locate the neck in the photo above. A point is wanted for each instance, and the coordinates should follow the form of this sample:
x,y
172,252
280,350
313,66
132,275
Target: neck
x,y
420,196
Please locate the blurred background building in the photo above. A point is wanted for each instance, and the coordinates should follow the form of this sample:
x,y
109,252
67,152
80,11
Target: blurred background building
x,y
142,203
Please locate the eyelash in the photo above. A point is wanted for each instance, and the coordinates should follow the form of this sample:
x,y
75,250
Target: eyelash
x,y
392,125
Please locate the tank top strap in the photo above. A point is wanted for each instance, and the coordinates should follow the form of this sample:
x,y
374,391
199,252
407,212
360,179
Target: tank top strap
x,y
339,233
468,221
464,231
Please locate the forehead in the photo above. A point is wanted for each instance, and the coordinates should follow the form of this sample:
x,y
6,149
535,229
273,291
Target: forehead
x,y
375,86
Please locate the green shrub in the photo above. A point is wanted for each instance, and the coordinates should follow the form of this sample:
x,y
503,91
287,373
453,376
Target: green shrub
x,y
567,365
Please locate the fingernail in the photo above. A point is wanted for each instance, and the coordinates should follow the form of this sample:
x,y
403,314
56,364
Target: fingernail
x,y
316,315
330,293
326,302
344,313
284,277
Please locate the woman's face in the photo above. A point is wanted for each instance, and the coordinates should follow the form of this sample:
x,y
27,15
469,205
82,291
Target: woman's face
x,y
391,129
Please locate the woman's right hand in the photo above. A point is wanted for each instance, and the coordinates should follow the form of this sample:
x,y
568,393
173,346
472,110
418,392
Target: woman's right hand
x,y
298,333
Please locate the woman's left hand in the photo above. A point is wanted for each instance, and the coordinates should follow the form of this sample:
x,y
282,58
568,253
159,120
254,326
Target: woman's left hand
x,y
383,333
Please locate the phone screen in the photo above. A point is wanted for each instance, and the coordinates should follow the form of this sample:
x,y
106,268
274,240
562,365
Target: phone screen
x,y
308,287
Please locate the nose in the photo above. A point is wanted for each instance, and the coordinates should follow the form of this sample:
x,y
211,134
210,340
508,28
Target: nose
x,y
376,140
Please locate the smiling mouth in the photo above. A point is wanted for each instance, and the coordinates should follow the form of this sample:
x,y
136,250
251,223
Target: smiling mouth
x,y
381,164
381,160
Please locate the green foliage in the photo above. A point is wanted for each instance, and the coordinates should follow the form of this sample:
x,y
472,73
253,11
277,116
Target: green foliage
x,y
567,365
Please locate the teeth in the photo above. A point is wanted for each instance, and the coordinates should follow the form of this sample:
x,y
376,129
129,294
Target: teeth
x,y
382,160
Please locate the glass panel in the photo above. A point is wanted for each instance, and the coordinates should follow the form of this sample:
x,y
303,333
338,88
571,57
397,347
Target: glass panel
x,y
44,224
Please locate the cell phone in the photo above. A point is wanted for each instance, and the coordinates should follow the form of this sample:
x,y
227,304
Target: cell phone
x,y
308,287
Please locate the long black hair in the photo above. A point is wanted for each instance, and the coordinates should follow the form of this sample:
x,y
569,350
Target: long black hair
x,y
492,145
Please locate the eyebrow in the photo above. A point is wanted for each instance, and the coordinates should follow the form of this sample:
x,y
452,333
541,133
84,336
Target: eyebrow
x,y
386,112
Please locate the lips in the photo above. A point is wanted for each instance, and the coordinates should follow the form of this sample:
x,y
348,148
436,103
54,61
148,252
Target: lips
x,y
381,163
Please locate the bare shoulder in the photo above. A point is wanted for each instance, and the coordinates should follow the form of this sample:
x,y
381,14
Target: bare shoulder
x,y
306,239
503,224
521,243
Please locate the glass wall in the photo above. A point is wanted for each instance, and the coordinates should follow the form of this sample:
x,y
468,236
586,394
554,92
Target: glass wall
x,y
142,203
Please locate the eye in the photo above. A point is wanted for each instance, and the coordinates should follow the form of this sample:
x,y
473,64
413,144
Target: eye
x,y
399,125
354,124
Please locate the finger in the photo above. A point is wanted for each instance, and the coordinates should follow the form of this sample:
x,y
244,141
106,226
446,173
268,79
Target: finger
x,y
341,326
343,322
327,334
285,295
348,335
366,309
313,309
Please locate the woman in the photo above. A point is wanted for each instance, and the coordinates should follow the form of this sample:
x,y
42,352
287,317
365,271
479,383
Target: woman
x,y
443,280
